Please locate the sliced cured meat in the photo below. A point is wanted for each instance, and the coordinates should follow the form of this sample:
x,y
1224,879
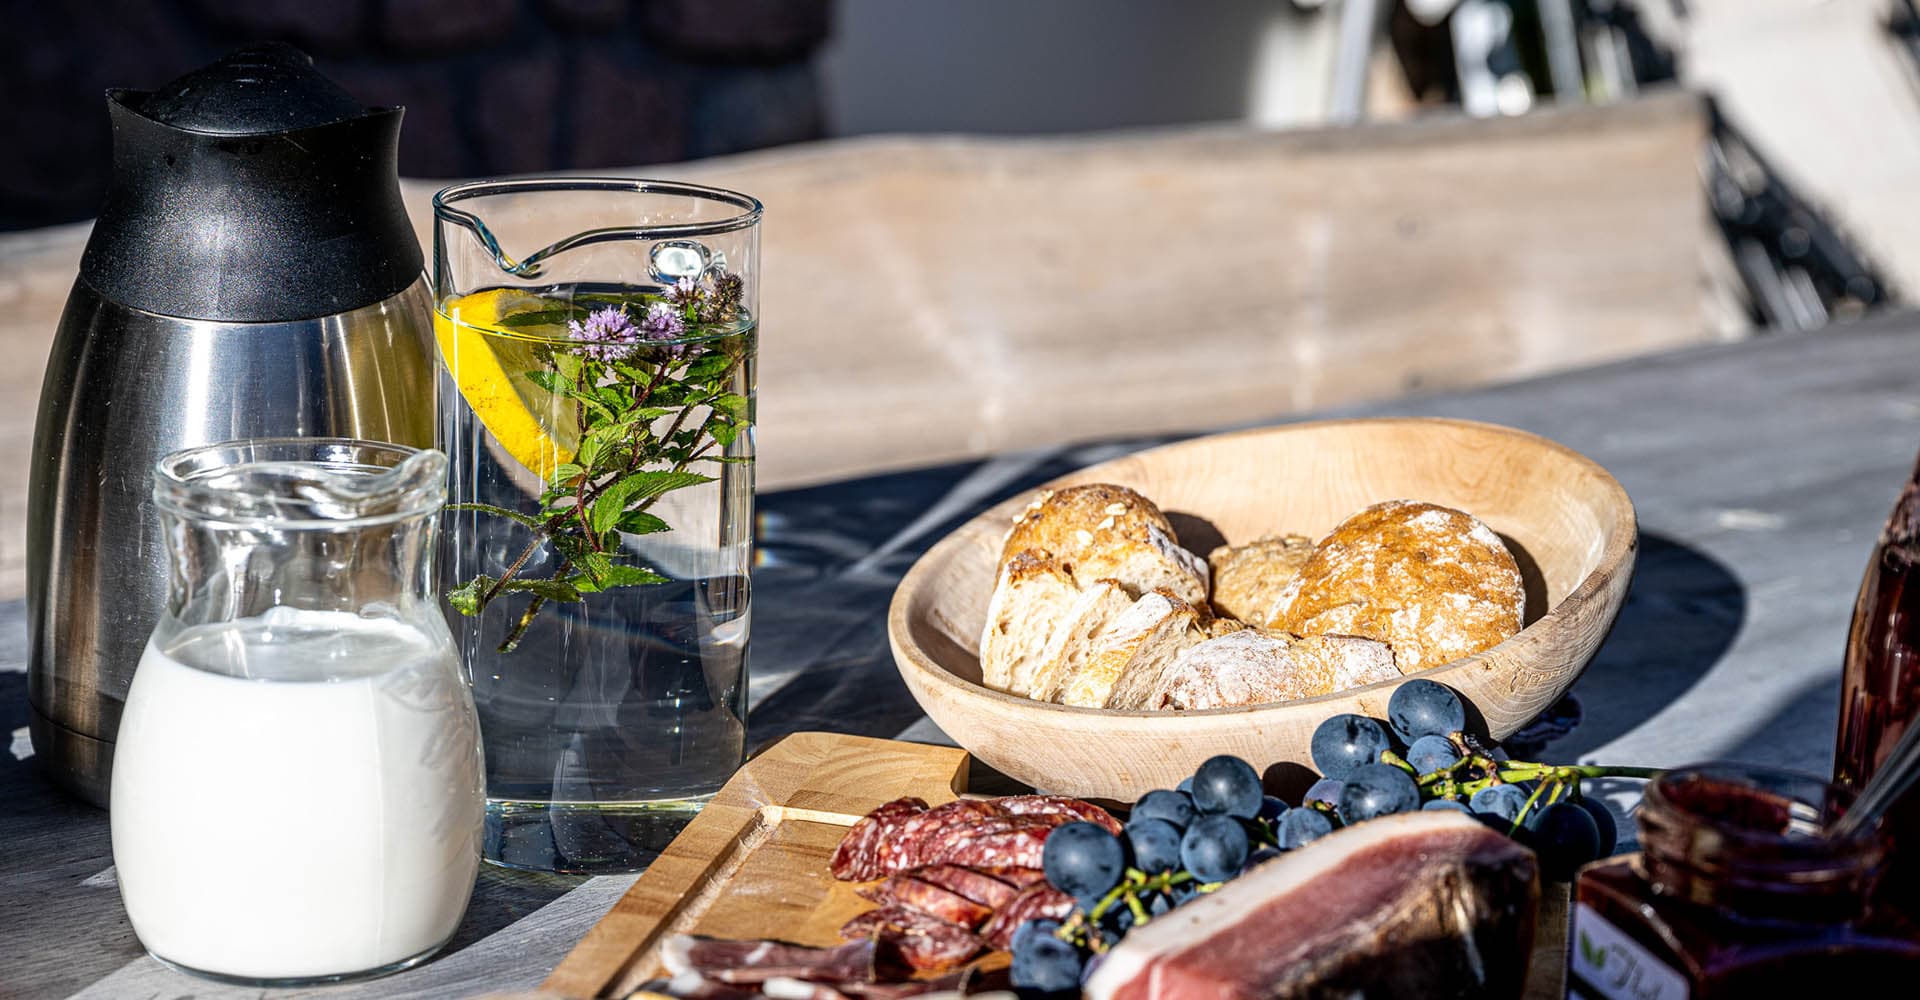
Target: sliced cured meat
x,y
743,963
902,851
926,943
1059,805
1014,875
1039,901
928,898
857,859
1019,847
978,886
1429,904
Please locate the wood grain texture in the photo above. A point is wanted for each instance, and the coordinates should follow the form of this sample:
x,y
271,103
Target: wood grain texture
x,y
753,864
1568,522
929,299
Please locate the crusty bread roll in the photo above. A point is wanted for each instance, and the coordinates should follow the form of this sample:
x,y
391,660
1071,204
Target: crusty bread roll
x,y
1248,579
1033,594
1101,531
1255,667
1073,637
1142,639
1432,582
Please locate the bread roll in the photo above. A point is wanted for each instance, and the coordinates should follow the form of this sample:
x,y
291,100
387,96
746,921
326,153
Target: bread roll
x,y
1105,532
1432,582
1248,579
1073,638
1142,639
1033,594
1255,667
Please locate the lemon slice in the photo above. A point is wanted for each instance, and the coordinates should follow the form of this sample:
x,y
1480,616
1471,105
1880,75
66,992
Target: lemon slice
x,y
490,369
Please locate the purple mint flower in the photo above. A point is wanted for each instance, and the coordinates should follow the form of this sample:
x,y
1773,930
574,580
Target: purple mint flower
x,y
607,335
686,290
663,322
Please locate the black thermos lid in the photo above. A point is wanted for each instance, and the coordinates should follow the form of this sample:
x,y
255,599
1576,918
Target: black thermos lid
x,y
251,190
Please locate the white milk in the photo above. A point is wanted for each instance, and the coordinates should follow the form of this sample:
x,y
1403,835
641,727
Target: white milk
x,y
297,795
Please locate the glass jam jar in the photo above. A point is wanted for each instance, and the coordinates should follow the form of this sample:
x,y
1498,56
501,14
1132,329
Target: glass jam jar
x,y
1735,893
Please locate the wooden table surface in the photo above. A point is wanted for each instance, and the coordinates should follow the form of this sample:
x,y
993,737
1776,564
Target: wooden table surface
x,y
1761,471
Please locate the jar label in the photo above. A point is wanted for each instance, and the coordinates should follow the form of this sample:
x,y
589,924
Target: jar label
x,y
1605,964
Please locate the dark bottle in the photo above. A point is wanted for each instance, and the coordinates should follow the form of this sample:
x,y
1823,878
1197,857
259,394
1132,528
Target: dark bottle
x,y
1736,893
1880,688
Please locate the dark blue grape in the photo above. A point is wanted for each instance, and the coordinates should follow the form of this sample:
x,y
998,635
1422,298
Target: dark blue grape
x,y
1443,805
1262,855
1092,966
1185,892
1345,742
1565,837
1083,860
1185,785
1032,927
1044,963
1156,844
1432,753
1227,784
1302,826
1421,707
1325,790
1173,806
1603,821
1499,801
1377,790
1214,848
1271,808
1117,920
1159,905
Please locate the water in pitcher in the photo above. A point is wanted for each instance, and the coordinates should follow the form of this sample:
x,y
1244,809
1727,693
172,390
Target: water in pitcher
x,y
598,546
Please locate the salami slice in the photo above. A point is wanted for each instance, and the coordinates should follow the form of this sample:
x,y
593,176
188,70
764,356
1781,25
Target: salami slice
x,y
930,899
926,943
746,963
1019,847
1039,901
1015,876
978,886
858,858
1059,805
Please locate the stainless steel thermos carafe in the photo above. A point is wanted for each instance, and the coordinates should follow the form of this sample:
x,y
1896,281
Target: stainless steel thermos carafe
x,y
252,273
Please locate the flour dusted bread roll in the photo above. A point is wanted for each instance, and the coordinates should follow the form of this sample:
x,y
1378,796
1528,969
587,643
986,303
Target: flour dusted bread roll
x,y
1033,594
1101,531
1254,667
1148,635
1432,582
1248,579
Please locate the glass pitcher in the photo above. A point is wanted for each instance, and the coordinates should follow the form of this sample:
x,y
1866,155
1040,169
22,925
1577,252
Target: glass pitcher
x,y
298,795
597,341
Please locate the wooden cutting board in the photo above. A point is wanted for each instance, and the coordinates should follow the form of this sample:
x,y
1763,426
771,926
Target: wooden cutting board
x,y
753,864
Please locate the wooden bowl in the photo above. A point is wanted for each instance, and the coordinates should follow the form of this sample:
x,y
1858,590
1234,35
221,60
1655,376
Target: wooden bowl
x,y
1568,523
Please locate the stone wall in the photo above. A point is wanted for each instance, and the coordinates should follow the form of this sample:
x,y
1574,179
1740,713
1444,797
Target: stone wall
x,y
490,86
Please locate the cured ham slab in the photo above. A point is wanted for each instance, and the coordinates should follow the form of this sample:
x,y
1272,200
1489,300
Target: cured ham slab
x,y
1427,904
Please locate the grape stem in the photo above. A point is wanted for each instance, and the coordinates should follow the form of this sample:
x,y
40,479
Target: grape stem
x,y
1080,928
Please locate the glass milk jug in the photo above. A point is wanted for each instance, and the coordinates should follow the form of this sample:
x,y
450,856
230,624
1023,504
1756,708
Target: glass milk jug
x,y
298,791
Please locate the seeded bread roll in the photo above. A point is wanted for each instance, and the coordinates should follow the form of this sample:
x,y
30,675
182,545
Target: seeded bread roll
x,y
1034,593
1248,579
1432,582
1141,640
1105,532
1255,667
1072,644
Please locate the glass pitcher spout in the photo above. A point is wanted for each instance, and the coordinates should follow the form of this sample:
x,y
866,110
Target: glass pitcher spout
x,y
334,482
710,211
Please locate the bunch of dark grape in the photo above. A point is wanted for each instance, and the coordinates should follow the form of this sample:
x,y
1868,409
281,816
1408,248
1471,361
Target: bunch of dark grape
x,y
1181,843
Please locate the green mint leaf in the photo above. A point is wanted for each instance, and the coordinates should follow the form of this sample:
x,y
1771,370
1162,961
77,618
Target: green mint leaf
x,y
487,508
635,487
639,522
593,568
466,597
552,590
734,406
590,448
569,365
542,317
727,459
553,382
723,433
706,367
567,472
626,575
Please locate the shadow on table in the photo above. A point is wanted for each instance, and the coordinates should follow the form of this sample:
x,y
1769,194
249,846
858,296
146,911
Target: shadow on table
x,y
1683,612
